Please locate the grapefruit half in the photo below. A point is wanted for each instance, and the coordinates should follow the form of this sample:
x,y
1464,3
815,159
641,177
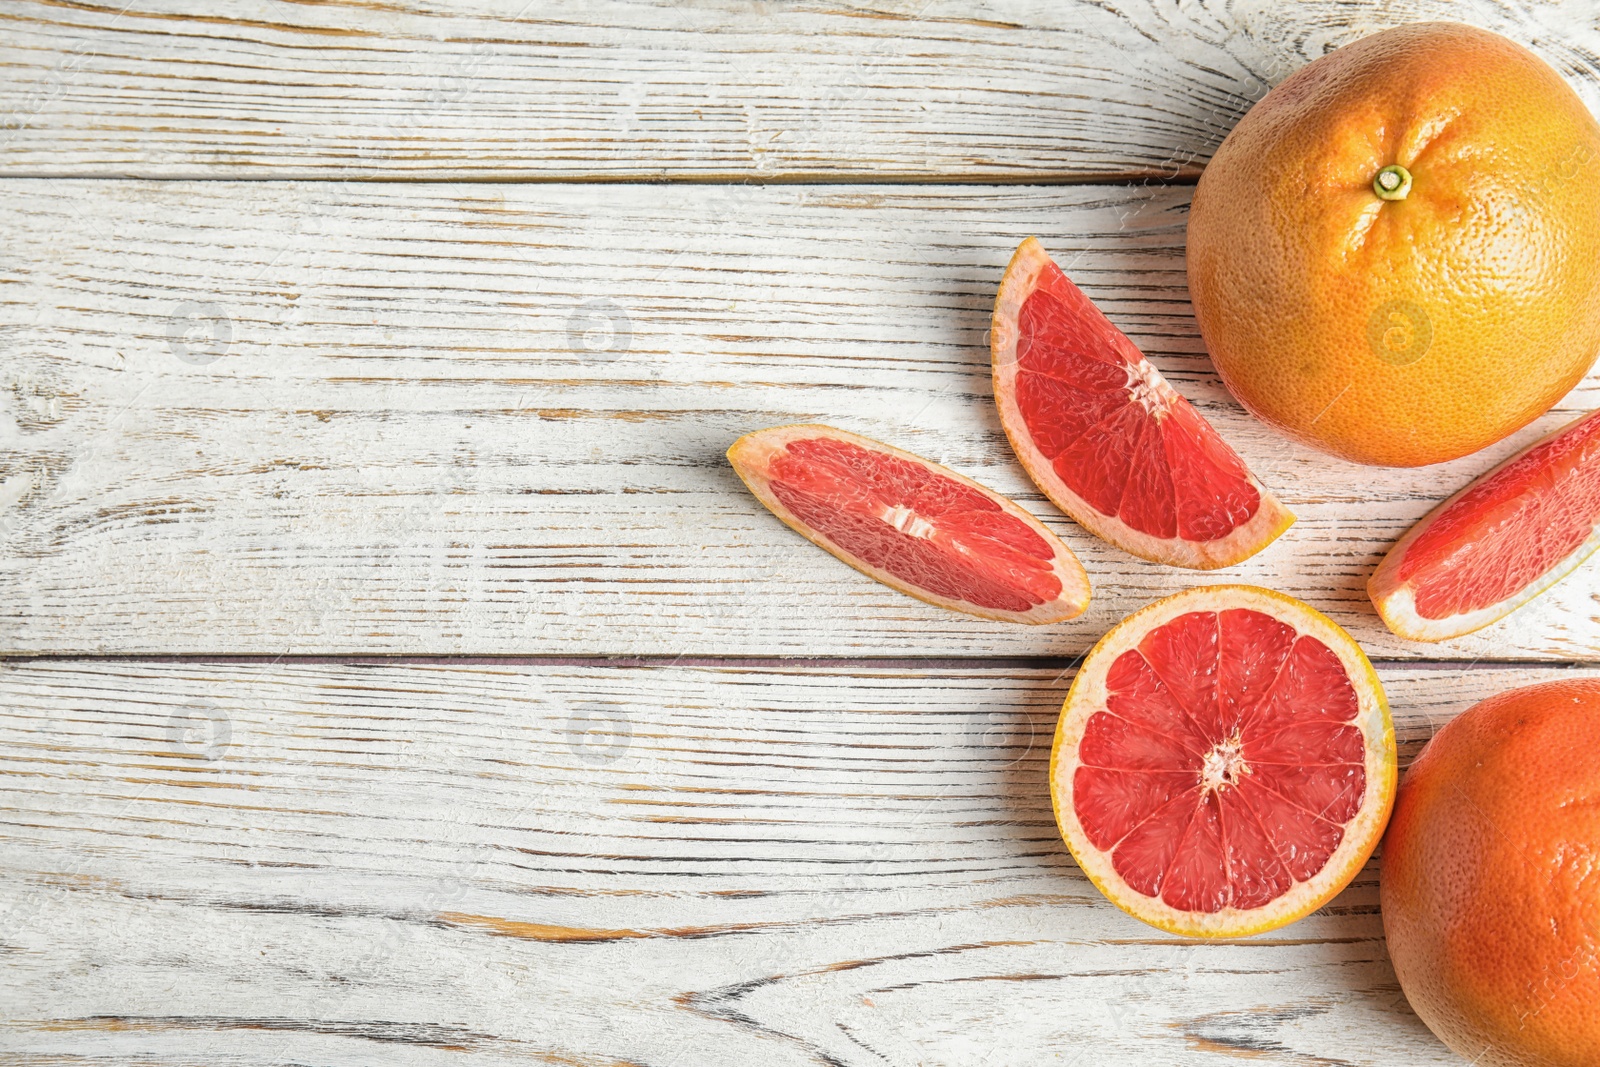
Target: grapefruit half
x,y
1498,543
1107,439
1224,763
913,525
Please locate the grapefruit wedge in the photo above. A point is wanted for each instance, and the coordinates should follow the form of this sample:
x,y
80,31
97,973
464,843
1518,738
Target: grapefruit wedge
x,y
1107,439
1224,763
1498,543
912,524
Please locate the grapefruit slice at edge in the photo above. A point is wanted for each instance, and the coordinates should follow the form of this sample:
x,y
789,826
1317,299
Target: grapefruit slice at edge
x,y
1224,763
912,524
1107,439
1499,542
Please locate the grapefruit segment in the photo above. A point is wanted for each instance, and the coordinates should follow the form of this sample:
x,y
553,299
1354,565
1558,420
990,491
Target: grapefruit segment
x,y
912,524
1107,439
1498,543
1224,763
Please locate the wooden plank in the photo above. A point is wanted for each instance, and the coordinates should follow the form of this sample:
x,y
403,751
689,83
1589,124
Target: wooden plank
x,y
388,418
1014,90
361,418
296,863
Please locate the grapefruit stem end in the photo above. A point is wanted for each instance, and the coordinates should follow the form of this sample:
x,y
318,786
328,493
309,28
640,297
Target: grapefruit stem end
x,y
1392,182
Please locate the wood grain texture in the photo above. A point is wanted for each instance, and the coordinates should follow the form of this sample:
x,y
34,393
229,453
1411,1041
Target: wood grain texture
x,y
1004,90
428,864
343,418
323,417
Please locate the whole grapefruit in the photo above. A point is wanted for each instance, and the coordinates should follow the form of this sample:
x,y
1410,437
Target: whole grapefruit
x,y
1490,881
1395,255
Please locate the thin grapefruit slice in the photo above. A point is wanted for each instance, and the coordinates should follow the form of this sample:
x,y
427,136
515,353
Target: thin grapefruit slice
x,y
1107,439
1498,543
912,524
1224,763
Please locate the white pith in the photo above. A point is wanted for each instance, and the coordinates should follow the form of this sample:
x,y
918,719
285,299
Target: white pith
x,y
1145,388
752,454
1224,765
907,521
1145,385
1089,695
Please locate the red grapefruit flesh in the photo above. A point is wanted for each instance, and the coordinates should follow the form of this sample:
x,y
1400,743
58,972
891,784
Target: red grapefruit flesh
x,y
1225,762
912,524
1499,542
1107,439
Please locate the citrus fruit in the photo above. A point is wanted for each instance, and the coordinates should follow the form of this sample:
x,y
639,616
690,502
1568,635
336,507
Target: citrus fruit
x,y
1499,542
1392,257
913,524
1224,763
1107,439
1490,881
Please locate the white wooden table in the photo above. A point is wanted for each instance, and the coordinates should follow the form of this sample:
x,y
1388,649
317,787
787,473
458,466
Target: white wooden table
x,y
396,674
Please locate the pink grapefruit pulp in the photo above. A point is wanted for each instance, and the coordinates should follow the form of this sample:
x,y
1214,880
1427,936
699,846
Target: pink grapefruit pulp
x,y
1498,543
1224,763
912,524
1107,439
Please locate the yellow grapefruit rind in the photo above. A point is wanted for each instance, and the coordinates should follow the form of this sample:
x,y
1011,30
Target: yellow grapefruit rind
x,y
1292,259
1361,834
1396,601
1270,519
752,453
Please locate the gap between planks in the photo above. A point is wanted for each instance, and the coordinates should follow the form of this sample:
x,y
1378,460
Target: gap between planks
x,y
932,663
1182,176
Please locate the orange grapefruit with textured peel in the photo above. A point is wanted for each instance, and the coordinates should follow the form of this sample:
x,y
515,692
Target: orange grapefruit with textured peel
x,y
1392,257
1498,543
1107,439
913,525
1224,762
1488,885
